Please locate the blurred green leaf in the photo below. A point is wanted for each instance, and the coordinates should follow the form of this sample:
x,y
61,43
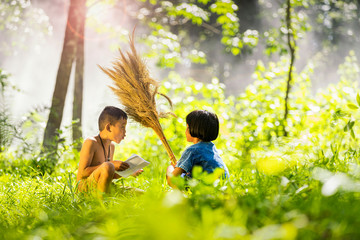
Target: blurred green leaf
x,y
352,133
352,106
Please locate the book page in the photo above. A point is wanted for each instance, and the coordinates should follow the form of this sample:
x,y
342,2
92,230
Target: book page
x,y
135,163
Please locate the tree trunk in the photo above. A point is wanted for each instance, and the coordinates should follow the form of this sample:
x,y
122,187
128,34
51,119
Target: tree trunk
x,y
79,78
63,75
292,45
248,14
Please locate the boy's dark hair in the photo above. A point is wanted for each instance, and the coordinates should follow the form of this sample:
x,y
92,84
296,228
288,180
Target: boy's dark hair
x,y
203,125
110,115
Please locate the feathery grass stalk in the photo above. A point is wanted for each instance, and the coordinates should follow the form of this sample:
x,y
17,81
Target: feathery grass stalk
x,y
136,91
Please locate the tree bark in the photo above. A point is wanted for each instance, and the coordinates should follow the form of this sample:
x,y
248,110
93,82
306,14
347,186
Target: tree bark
x,y
63,75
79,79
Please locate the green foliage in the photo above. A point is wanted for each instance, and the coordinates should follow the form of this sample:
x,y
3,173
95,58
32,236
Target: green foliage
x,y
21,141
7,130
300,187
227,18
176,23
332,16
276,38
190,11
20,15
164,44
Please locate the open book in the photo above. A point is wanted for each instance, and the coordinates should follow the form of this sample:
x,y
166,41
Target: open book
x,y
136,163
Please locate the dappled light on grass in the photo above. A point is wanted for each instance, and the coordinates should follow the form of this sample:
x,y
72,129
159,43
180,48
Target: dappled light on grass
x,y
285,231
173,198
333,182
271,165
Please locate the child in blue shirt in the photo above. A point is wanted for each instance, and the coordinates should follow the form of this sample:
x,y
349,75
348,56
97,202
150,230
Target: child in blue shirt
x,y
202,128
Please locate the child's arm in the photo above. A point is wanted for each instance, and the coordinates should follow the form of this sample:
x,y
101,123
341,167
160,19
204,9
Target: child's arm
x,y
86,156
116,176
119,165
173,172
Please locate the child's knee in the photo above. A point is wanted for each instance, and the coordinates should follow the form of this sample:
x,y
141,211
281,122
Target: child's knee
x,y
108,168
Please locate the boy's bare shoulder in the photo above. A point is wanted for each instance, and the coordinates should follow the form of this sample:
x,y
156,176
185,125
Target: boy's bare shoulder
x,y
93,139
90,142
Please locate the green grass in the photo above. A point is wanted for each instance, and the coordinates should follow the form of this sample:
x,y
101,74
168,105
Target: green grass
x,y
253,205
305,186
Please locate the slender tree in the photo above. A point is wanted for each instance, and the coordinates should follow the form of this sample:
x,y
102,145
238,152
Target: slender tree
x,y
75,19
79,77
291,44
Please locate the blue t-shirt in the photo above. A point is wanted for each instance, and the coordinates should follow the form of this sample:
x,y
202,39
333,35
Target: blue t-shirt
x,y
202,154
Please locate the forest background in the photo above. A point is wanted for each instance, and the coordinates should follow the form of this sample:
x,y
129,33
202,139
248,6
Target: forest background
x,y
281,75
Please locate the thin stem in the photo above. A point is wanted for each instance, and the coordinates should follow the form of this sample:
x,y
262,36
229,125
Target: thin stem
x,y
291,44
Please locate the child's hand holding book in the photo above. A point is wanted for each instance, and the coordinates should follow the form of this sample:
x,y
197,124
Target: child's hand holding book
x,y
120,165
137,173
135,163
